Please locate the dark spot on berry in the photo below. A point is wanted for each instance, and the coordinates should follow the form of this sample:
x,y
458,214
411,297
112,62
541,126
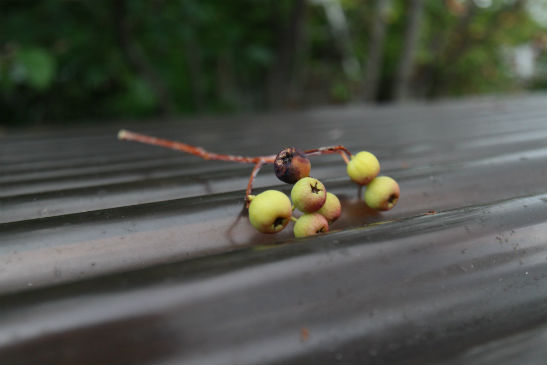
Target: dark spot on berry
x,y
392,198
315,189
286,159
320,230
279,221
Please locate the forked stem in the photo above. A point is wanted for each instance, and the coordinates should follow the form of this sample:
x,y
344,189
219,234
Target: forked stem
x,y
343,151
258,161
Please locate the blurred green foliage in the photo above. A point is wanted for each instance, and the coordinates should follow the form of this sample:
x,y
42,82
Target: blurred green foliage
x,y
78,60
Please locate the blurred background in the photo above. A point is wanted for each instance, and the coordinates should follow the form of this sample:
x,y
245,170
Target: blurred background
x,y
67,61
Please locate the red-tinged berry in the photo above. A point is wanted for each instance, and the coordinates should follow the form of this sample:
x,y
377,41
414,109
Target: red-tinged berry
x,y
332,208
291,165
308,195
310,224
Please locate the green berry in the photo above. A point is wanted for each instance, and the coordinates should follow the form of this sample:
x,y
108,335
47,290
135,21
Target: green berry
x,y
332,208
270,211
308,195
310,224
382,193
363,167
291,165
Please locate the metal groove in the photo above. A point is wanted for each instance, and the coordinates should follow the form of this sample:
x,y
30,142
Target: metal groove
x,y
130,244
352,267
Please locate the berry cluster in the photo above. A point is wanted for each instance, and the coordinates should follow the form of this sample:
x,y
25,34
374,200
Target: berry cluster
x,y
271,211
382,192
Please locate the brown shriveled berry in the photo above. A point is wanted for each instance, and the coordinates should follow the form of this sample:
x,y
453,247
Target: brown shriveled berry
x,y
291,165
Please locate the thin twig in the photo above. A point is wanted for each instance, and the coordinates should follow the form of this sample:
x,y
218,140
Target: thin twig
x,y
343,151
258,161
193,150
255,171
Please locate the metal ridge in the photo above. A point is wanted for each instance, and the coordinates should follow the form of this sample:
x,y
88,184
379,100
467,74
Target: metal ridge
x,y
343,287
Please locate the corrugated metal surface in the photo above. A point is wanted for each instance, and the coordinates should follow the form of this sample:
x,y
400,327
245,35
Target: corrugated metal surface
x,y
120,252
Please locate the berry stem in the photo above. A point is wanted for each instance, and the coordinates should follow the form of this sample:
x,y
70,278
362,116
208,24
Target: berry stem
x,y
193,150
258,161
345,157
255,171
343,151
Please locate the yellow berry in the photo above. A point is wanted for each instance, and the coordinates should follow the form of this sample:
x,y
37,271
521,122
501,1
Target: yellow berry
x,y
270,211
382,193
363,167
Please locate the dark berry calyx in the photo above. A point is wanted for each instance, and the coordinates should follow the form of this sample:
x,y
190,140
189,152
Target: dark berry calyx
x,y
280,221
315,189
291,165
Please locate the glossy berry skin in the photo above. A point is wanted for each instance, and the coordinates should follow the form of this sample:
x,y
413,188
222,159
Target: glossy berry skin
x,y
363,167
270,211
310,224
291,165
382,193
332,208
308,195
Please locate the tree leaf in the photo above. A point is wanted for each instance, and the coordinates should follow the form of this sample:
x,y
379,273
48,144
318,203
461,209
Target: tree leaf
x,y
39,66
